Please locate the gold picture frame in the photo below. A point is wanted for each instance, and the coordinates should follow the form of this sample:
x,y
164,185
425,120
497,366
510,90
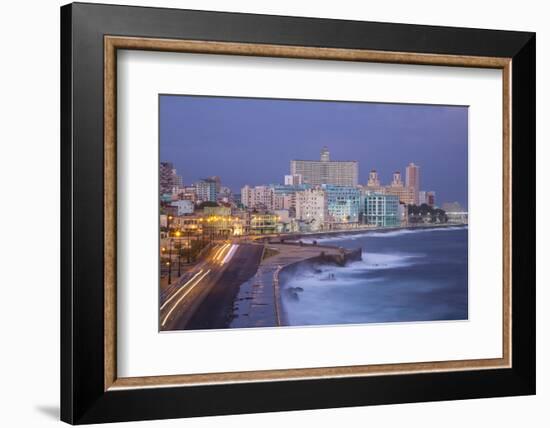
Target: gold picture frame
x,y
114,43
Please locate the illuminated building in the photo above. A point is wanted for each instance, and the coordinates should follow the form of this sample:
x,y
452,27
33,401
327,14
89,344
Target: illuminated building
x,y
216,211
263,223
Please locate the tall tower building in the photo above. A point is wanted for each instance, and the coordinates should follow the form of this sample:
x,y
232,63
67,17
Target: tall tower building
x,y
412,179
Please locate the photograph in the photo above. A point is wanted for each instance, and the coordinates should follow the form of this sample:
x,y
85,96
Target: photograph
x,y
292,212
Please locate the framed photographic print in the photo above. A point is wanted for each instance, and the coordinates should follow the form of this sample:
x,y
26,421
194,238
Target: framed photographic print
x,y
265,213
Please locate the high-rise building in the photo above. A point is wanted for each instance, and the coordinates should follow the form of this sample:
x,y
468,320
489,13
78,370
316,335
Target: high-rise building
x,y
382,210
311,208
412,179
343,203
325,171
216,179
169,180
206,190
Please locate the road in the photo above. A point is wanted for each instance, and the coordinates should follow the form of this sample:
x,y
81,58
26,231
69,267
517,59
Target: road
x,y
204,298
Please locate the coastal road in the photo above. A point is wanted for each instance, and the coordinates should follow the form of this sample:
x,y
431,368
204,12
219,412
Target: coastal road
x,y
204,299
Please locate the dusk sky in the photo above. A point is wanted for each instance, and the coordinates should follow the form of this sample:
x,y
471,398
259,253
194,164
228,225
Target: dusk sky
x,y
251,141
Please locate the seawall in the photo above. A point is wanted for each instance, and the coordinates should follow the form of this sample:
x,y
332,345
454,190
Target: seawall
x,y
360,230
283,274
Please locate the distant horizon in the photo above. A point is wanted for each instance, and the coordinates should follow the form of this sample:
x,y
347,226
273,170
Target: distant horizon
x,y
252,140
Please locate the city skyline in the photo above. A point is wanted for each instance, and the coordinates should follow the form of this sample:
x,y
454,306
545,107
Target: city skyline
x,y
297,130
249,187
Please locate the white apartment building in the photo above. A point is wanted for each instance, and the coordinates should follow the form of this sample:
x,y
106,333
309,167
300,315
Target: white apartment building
x,y
311,207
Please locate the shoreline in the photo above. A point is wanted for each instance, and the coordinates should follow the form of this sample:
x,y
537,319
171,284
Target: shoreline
x,y
360,231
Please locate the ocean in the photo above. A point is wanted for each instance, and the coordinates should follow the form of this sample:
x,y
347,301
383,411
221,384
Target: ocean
x,y
404,276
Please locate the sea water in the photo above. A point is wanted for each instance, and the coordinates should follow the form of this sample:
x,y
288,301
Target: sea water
x,y
404,276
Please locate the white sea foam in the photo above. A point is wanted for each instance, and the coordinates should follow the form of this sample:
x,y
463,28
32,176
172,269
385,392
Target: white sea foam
x,y
321,274
328,294
387,261
411,231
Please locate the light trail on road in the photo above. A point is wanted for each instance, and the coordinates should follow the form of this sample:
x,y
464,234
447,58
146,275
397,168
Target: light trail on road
x,y
223,253
220,251
229,254
181,288
191,287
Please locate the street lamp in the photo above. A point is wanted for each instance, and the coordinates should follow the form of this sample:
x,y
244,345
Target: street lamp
x,y
168,220
178,235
